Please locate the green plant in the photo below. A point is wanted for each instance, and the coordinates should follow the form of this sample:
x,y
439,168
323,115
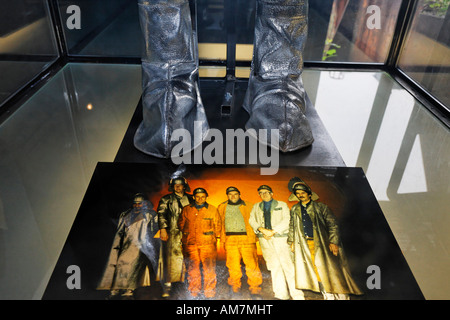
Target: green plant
x,y
331,51
436,7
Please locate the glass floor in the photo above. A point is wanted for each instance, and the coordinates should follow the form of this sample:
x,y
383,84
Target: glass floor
x,y
50,146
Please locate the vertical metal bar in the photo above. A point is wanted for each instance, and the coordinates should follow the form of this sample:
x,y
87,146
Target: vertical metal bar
x,y
405,16
58,28
230,24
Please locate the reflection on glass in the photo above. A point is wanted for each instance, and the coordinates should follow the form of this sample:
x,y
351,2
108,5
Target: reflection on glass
x,y
414,179
337,95
390,137
426,54
27,43
113,30
404,151
339,30
385,131
107,28
49,149
351,31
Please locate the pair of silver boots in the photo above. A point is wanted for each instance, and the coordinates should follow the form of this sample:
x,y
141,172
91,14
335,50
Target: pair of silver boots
x,y
275,98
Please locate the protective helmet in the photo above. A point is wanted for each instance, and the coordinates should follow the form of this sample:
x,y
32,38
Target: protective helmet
x,y
179,180
199,190
298,184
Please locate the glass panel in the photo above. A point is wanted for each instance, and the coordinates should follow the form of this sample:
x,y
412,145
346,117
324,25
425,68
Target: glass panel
x,y
339,30
113,30
105,28
351,30
51,144
404,150
426,54
49,149
27,43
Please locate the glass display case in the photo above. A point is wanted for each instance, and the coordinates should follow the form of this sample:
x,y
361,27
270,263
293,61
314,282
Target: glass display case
x,y
425,55
376,71
343,33
28,44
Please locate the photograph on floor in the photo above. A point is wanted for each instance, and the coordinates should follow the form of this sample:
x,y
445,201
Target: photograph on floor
x,y
159,232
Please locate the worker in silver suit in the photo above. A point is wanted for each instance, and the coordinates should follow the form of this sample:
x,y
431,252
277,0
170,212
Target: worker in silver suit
x,y
134,251
171,100
171,261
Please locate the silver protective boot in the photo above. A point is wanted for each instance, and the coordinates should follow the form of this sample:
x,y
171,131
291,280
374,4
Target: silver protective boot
x,y
276,98
171,98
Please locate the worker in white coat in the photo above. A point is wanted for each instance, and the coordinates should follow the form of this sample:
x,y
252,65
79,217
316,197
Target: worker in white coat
x,y
269,219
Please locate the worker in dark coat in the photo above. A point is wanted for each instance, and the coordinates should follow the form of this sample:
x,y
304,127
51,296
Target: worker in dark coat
x,y
319,259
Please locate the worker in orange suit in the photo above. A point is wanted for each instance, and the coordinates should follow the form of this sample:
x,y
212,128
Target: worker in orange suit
x,y
239,242
201,226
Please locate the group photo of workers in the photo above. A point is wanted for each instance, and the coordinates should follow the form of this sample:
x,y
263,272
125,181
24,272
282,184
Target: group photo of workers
x,y
186,241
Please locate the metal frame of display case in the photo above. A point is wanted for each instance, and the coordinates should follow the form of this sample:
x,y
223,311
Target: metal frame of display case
x,y
390,66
